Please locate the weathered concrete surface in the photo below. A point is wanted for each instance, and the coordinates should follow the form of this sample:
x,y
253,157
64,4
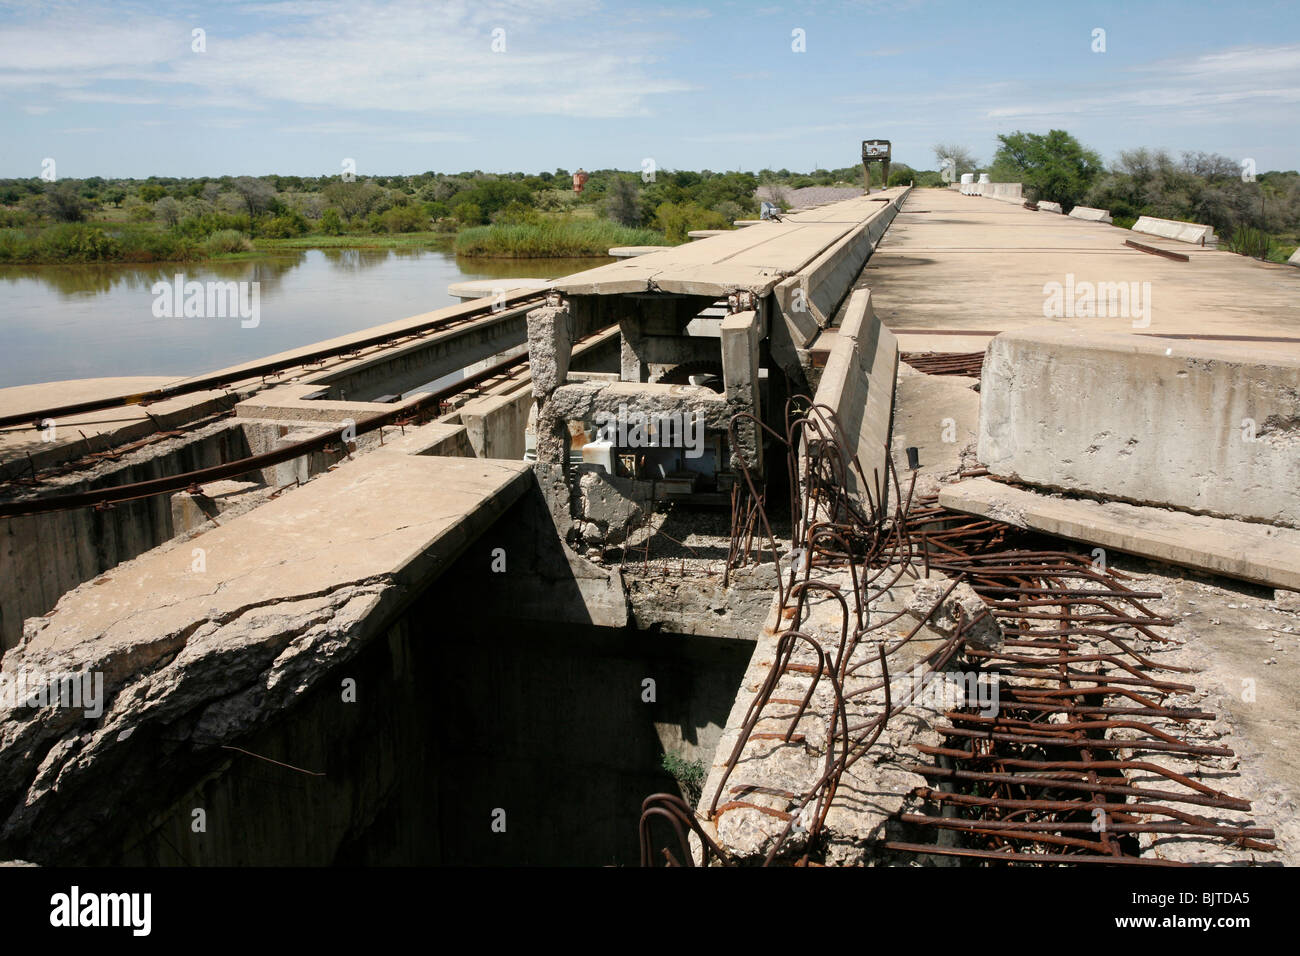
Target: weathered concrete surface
x,y
1196,232
1212,428
1252,552
199,644
858,384
754,258
938,415
873,789
73,436
1047,206
485,288
43,555
965,264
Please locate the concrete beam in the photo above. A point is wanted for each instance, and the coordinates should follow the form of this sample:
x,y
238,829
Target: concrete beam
x,y
1252,552
740,362
858,383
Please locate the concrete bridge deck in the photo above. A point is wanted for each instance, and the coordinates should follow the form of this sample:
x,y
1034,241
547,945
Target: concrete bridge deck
x,y
977,266
214,633
754,258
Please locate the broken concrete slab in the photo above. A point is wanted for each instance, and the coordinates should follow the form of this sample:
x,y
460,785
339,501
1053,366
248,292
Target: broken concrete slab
x,y
1046,206
1237,549
1206,427
257,611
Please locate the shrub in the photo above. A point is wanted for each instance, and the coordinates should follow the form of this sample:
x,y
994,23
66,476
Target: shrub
x,y
468,213
287,225
403,219
71,242
226,241
331,223
14,245
677,219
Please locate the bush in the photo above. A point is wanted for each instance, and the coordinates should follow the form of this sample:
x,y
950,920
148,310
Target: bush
x,y
226,241
72,242
331,223
677,219
403,219
201,226
287,225
517,214
14,245
468,214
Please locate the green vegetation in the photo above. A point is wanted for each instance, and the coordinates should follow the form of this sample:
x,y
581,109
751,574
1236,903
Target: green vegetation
x,y
566,238
1054,167
689,775
1257,216
163,219
167,219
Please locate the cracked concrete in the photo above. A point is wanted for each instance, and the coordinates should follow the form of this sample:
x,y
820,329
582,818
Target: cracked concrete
x,y
259,610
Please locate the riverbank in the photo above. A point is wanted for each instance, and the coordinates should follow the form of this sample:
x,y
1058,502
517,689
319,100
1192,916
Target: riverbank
x,y
566,238
81,243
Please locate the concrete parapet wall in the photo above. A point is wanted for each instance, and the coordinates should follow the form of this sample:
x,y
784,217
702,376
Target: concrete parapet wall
x,y
1173,229
1008,192
1204,427
858,384
1089,214
808,300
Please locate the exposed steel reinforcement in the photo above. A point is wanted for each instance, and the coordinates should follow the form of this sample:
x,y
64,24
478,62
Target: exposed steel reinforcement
x,y
945,363
415,411
1095,752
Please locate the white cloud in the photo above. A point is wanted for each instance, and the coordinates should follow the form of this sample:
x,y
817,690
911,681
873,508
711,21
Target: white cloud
x,y
404,57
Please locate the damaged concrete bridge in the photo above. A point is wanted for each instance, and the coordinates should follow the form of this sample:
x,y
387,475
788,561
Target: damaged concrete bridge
x,y
824,540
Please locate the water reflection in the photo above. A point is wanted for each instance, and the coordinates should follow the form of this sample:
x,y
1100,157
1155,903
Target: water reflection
x,y
59,322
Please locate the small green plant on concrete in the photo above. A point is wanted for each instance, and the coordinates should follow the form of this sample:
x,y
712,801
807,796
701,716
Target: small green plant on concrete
x,y
689,775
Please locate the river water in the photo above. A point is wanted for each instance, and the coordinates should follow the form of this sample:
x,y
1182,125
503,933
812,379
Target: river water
x,y
89,321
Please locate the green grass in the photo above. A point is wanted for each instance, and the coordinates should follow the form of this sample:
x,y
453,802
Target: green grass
x,y
559,239
396,240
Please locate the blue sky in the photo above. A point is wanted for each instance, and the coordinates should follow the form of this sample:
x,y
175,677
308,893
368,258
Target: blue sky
x,y
296,87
